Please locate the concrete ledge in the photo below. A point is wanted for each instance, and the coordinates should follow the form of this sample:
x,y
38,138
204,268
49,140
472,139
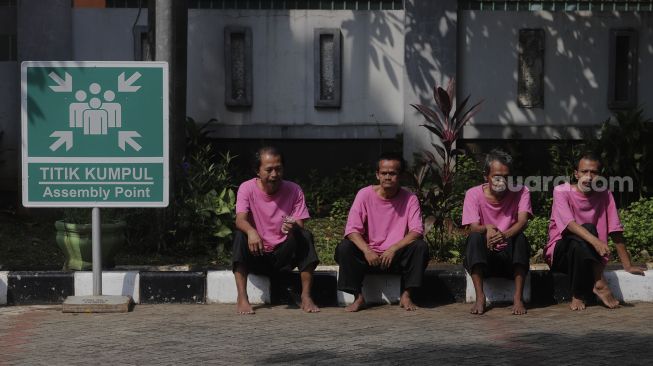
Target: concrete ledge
x,y
3,287
221,288
39,288
172,287
377,289
286,288
113,283
497,290
628,287
442,286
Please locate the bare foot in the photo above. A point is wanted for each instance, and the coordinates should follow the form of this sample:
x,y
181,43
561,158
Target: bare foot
x,y
358,304
518,307
308,305
406,302
479,306
577,304
602,290
243,307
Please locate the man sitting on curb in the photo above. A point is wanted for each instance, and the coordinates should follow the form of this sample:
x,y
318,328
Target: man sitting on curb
x,y
583,215
497,216
270,214
383,231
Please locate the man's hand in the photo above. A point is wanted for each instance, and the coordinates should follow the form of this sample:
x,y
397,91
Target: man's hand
x,y
254,243
387,257
498,237
635,270
601,247
491,233
372,258
288,224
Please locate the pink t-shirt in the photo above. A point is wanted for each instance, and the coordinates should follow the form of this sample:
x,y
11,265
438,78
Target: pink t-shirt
x,y
384,222
569,205
503,214
266,212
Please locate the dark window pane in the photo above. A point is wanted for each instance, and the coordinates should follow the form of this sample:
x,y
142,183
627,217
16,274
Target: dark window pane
x,y
621,68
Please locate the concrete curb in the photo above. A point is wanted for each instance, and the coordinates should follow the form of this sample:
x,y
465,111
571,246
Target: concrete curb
x,y
221,288
497,289
113,283
39,288
3,287
447,285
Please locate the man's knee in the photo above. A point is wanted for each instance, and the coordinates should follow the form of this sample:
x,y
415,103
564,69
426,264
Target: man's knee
x,y
345,248
591,228
305,234
476,239
521,241
421,248
239,236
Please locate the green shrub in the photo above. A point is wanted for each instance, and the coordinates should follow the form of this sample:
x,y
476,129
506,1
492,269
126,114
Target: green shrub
x,y
324,194
537,233
202,215
638,232
328,232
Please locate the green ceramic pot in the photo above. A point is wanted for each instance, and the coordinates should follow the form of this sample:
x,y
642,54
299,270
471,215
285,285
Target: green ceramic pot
x,y
75,240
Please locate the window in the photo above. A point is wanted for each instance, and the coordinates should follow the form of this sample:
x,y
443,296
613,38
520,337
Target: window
x,y
622,86
326,51
238,66
530,74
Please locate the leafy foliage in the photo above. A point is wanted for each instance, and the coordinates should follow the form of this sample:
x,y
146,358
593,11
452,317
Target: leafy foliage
x,y
436,172
204,200
625,147
328,232
638,231
324,194
537,233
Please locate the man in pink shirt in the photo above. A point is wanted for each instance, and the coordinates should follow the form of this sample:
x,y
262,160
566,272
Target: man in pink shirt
x,y
383,232
583,215
497,214
270,214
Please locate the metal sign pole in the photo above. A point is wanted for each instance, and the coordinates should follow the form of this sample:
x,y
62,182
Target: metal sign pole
x,y
97,252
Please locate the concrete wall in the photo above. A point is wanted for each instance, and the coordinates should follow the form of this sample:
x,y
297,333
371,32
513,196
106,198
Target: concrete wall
x,y
43,32
105,34
372,69
431,59
283,101
576,65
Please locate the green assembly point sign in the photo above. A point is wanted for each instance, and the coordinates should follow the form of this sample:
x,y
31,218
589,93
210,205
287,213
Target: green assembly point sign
x,y
94,134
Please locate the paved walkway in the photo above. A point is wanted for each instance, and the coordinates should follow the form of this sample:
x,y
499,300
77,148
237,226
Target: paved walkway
x,y
212,334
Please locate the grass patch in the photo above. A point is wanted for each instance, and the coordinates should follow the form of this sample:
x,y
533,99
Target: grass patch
x,y
328,233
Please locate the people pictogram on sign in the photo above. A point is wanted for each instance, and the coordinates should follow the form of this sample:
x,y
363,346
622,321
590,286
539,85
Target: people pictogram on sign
x,y
95,116
113,109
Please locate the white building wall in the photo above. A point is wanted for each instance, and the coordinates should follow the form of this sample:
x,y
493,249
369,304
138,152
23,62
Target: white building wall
x,y
576,70
283,81
283,102
105,34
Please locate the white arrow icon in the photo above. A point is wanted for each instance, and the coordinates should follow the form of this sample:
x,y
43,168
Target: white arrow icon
x,y
63,137
128,137
62,85
126,85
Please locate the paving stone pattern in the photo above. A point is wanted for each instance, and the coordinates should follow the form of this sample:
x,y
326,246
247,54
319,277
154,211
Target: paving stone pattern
x,y
384,335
